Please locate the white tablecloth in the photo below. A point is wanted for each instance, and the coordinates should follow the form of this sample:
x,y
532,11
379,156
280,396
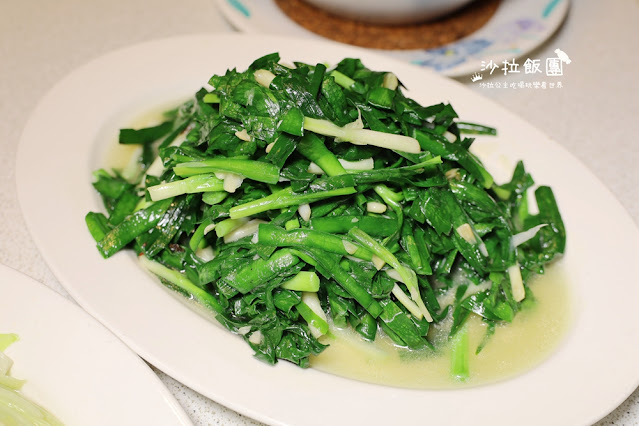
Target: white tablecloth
x,y
593,115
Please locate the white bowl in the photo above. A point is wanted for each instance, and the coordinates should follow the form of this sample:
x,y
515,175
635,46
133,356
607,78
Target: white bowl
x,y
390,11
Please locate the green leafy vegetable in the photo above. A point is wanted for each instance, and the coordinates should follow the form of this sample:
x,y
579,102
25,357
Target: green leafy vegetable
x,y
289,200
15,408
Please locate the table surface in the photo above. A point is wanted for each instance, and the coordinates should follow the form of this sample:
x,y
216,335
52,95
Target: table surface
x,y
592,115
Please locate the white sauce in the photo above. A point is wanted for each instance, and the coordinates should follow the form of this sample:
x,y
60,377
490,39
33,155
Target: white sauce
x,y
513,349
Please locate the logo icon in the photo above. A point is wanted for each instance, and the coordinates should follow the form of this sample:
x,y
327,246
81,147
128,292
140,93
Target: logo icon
x,y
563,56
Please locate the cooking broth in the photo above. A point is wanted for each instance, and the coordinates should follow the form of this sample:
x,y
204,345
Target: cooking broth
x,y
513,349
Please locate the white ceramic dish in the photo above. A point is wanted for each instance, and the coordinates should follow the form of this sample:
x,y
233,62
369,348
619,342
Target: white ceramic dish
x,y
384,12
70,130
75,367
516,29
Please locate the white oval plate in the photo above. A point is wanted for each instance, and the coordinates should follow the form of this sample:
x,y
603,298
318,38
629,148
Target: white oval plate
x,y
70,130
74,366
517,28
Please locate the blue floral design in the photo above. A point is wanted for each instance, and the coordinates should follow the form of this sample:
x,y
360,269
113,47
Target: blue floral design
x,y
550,7
239,6
450,56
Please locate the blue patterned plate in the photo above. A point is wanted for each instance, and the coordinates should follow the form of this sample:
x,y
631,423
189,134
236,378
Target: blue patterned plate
x,y
518,27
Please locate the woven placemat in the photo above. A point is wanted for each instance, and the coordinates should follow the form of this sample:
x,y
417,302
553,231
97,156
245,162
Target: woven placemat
x,y
425,35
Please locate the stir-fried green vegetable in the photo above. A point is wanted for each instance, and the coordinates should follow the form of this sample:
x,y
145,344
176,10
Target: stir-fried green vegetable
x,y
289,200
15,408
